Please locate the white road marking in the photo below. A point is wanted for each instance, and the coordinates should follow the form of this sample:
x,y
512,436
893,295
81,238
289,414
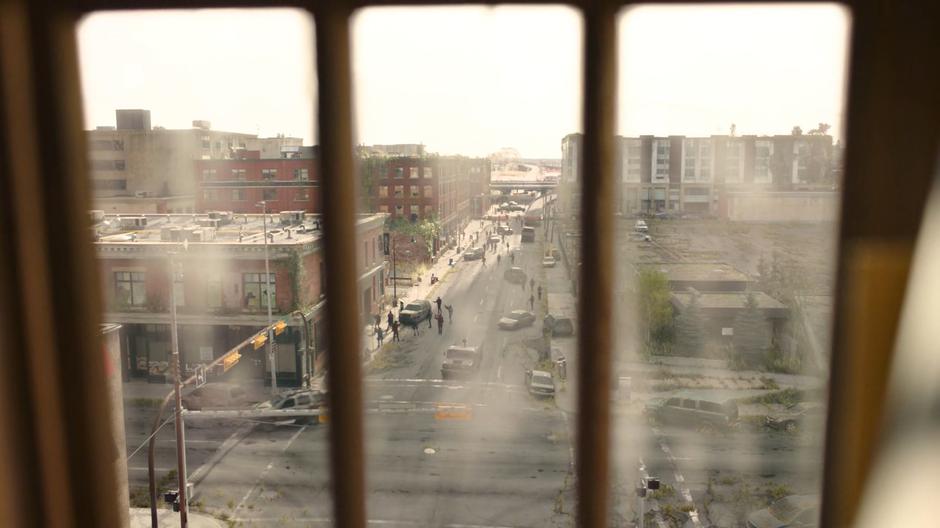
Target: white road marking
x,y
499,373
481,301
268,468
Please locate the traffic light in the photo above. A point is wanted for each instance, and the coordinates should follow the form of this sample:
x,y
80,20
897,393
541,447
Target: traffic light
x,y
279,327
259,340
230,361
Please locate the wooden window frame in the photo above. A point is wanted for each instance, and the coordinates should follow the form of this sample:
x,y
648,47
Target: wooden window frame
x,y
61,434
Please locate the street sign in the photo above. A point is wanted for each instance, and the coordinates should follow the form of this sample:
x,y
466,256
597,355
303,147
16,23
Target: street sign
x,y
200,375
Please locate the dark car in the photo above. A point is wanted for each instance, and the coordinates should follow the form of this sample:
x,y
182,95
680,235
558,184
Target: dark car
x,y
461,361
558,325
473,254
215,396
415,312
517,319
792,511
700,413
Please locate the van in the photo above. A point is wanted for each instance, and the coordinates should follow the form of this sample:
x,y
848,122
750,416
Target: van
x,y
694,412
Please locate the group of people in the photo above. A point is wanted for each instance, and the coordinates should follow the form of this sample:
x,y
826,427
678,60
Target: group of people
x,y
394,324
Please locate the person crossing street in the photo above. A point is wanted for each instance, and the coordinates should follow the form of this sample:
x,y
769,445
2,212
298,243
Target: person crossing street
x,y
440,323
450,313
531,302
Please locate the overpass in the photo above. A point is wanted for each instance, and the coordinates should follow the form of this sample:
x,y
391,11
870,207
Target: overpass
x,y
523,185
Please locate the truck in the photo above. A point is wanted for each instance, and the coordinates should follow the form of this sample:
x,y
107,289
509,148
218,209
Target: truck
x,y
528,234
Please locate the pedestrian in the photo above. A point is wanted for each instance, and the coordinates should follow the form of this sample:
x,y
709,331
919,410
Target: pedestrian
x,y
498,258
401,305
378,320
531,284
429,319
450,313
531,302
440,323
484,259
380,336
395,326
414,327
391,319
512,258
540,292
438,302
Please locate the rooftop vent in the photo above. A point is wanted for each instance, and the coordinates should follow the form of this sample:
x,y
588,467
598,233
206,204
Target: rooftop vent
x,y
292,217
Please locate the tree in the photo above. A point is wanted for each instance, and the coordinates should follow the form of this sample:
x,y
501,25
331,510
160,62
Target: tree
x,y
820,130
690,328
797,131
750,329
655,309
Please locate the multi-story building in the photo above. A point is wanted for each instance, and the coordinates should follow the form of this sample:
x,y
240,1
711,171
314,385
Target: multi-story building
x,y
442,188
730,176
220,287
137,168
288,183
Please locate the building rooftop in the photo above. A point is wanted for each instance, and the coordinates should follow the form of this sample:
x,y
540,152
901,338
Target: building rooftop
x,y
216,228
733,300
700,272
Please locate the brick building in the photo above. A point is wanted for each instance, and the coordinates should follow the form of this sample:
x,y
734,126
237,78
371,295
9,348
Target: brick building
x,y
445,188
137,168
288,183
715,175
220,287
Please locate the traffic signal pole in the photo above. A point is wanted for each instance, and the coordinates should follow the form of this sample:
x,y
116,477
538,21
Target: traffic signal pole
x,y
177,389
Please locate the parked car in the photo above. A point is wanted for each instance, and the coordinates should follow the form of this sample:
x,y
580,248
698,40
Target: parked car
x,y
556,254
548,262
558,325
461,361
640,226
805,414
215,396
640,237
792,511
701,413
540,383
504,229
415,312
296,399
515,275
517,319
473,254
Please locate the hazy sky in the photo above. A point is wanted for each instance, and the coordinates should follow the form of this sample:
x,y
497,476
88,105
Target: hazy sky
x,y
470,80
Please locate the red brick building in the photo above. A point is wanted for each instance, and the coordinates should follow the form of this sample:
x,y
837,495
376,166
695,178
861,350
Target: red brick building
x,y
289,183
444,188
220,287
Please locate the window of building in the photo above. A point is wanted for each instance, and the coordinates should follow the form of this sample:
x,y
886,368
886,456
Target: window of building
x,y
415,191
302,195
428,191
399,210
238,195
428,211
129,288
399,191
301,174
399,172
269,194
255,290
383,191
412,172
383,208
269,174
428,172
214,290
210,195
238,174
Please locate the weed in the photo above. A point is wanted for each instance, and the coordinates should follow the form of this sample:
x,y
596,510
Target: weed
x,y
788,397
665,491
230,504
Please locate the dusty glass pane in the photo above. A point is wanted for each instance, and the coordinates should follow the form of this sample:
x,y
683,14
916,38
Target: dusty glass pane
x,y
461,116
728,175
206,187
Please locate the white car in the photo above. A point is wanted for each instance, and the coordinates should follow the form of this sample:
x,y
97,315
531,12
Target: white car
x,y
548,262
640,226
540,383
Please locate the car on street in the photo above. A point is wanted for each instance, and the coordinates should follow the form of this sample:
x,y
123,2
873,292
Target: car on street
x,y
461,361
216,395
694,412
296,399
640,226
792,511
504,229
548,262
515,275
804,414
495,239
540,383
640,237
415,312
516,319
473,254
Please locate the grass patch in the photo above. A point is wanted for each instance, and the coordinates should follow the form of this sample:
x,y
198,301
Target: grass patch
x,y
390,357
787,397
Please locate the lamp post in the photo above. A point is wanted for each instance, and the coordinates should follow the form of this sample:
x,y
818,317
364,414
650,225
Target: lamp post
x,y
267,284
309,369
177,387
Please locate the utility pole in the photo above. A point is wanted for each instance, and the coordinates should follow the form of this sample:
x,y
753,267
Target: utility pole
x,y
267,281
177,383
394,271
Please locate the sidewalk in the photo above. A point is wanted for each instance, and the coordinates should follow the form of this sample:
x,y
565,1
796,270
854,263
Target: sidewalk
x,y
140,518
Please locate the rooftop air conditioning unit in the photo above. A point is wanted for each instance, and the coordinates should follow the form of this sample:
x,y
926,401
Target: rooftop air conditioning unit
x,y
292,217
224,217
176,234
208,222
133,222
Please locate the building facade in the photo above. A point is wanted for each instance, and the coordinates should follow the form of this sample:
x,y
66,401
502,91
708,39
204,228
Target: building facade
x,y
135,167
288,183
220,288
713,175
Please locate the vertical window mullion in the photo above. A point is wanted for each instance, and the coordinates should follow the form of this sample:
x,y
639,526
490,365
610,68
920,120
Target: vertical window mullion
x,y
596,280
342,312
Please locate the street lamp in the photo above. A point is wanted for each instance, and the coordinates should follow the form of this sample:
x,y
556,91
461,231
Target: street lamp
x,y
267,282
308,367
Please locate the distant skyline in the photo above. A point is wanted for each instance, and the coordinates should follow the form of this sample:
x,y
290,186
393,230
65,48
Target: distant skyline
x,y
471,80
